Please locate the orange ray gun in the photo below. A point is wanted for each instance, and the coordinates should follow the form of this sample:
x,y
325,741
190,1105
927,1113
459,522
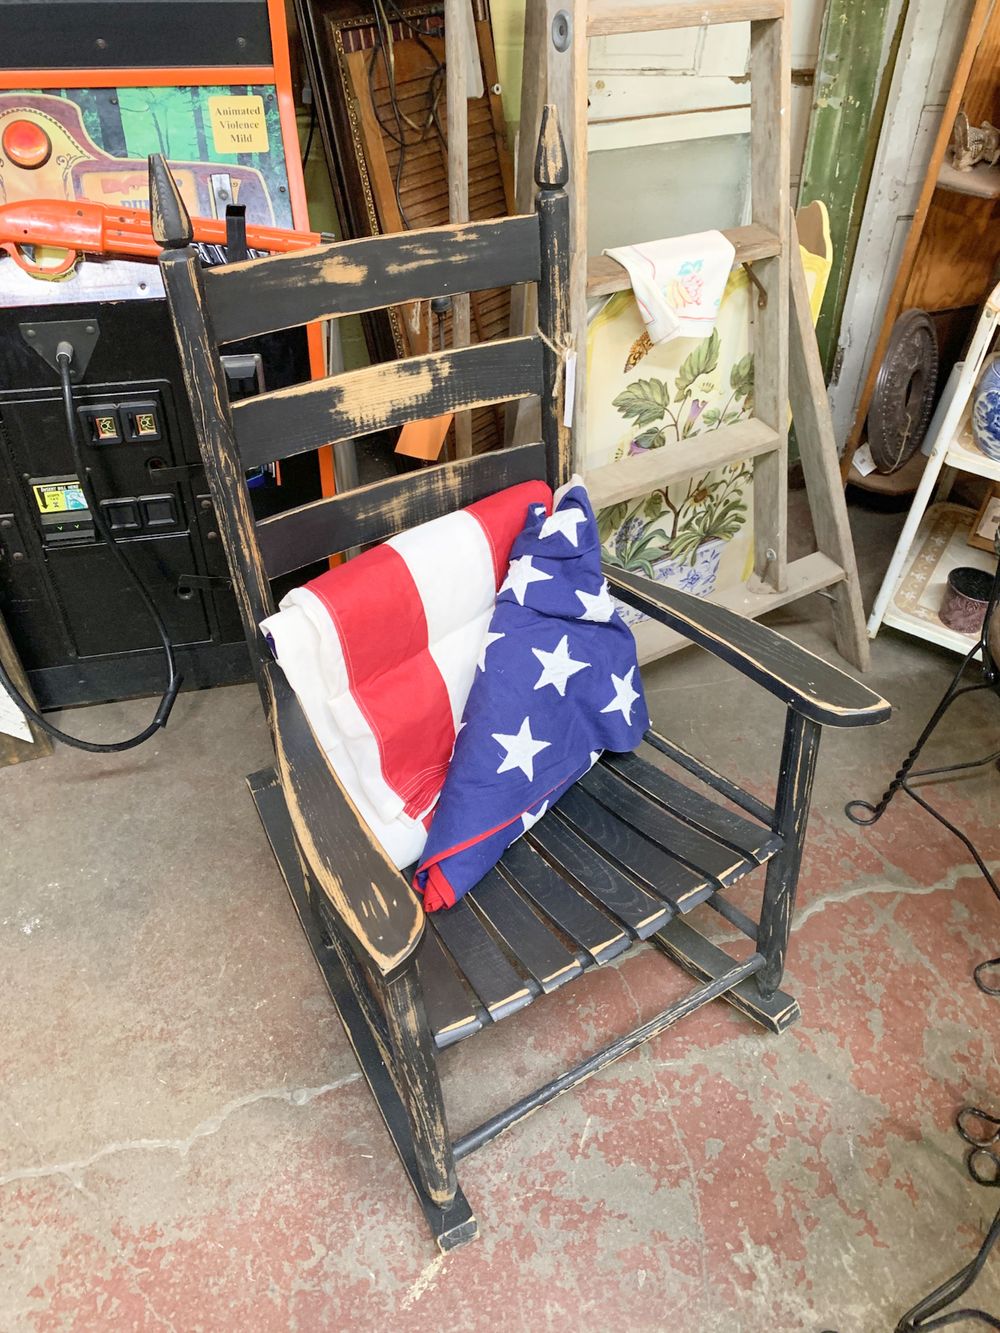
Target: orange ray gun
x,y
79,227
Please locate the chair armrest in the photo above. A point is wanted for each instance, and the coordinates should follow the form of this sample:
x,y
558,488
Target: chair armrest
x,y
369,895
802,680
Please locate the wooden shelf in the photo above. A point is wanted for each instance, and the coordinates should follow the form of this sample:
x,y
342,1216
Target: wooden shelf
x,y
643,472
606,275
982,182
904,481
965,454
941,545
809,574
605,17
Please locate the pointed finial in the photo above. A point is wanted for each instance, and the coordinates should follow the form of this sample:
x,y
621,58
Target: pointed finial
x,y
169,217
551,166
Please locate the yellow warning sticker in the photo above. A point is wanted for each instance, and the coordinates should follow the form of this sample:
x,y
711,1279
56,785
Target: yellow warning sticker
x,y
59,497
238,124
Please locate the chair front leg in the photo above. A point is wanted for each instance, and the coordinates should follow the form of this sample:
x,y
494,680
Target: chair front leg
x,y
415,1060
795,780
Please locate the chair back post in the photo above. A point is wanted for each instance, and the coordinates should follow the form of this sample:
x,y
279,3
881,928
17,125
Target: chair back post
x,y
552,207
205,382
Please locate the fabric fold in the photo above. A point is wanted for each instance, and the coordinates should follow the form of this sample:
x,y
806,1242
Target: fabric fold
x,y
678,282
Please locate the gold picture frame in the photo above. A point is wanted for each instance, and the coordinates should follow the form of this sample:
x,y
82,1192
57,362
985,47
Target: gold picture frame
x,y
986,522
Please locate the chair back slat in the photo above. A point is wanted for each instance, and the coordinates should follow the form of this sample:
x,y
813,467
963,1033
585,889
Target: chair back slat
x,y
373,513
289,421
354,277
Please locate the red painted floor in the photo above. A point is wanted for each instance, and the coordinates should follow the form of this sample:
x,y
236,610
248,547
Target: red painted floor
x,y
187,1144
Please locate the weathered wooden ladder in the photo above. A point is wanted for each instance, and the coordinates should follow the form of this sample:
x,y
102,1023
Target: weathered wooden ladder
x,y
786,359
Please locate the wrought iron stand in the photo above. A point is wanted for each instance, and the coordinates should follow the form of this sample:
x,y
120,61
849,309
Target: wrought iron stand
x,y
864,813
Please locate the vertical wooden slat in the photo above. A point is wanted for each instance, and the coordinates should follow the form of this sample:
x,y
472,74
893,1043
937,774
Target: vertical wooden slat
x,y
769,165
457,70
205,381
554,318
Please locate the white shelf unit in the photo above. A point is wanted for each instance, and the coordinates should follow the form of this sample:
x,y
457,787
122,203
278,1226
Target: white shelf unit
x,y
934,539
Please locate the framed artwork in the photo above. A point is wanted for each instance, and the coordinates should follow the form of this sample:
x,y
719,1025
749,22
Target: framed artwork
x,y
986,522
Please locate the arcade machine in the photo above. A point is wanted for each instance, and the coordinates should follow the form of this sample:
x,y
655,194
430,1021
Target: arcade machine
x,y
88,90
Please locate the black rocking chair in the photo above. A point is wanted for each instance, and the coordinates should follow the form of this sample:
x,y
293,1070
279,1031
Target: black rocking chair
x,y
630,850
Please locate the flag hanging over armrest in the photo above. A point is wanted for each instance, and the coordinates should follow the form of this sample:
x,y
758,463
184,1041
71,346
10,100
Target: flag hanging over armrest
x,y
557,682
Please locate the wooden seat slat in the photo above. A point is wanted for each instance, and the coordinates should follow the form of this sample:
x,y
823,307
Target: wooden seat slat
x,y
596,935
636,855
452,1010
636,909
277,425
537,949
700,853
481,961
737,832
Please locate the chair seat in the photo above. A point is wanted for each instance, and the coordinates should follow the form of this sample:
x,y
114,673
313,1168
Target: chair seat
x,y
625,850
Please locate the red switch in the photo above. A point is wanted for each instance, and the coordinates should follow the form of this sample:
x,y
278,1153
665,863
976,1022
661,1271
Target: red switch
x,y
26,144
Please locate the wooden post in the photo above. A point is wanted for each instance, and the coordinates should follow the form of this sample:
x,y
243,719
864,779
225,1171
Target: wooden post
x,y
548,77
818,454
420,1085
795,780
554,314
769,116
457,70
14,750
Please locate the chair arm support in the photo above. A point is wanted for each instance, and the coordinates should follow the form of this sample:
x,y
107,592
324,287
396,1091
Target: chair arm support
x,y
371,898
803,681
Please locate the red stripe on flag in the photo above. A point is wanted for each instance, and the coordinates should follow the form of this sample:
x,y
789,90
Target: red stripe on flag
x,y
502,516
379,617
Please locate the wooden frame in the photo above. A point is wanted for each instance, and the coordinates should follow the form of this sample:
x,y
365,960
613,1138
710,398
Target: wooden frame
x,y
986,522
624,856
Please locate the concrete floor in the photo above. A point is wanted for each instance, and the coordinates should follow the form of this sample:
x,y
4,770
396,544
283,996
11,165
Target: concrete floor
x,y
187,1143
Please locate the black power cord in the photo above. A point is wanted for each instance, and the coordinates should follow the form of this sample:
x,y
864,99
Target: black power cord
x,y
64,360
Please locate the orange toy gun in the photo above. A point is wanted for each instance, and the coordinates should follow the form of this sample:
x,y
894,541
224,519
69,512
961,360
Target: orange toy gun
x,y
85,228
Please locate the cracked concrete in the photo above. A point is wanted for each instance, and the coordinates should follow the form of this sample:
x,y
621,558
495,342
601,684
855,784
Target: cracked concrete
x,y
186,1143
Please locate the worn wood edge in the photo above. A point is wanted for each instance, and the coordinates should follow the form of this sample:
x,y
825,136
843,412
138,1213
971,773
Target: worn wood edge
x,y
382,395
382,500
639,473
389,942
14,750
341,273
607,17
705,961
720,634
458,1224
606,276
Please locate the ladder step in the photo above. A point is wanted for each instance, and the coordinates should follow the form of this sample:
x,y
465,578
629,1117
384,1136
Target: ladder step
x,y
643,472
605,17
605,275
811,573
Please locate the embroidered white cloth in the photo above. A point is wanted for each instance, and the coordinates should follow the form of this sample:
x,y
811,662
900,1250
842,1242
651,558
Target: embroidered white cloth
x,y
678,282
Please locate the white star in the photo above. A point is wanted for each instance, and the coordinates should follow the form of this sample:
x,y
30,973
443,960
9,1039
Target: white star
x,y
597,606
594,756
490,638
521,750
625,696
557,666
528,819
566,521
520,575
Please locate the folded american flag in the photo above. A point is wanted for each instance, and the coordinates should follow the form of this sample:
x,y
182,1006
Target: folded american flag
x,y
557,683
